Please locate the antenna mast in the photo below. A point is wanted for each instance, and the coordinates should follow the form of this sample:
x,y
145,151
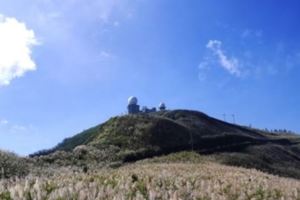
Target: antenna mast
x,y
224,117
233,118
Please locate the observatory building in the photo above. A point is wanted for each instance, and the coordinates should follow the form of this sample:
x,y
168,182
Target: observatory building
x,y
162,106
145,109
133,106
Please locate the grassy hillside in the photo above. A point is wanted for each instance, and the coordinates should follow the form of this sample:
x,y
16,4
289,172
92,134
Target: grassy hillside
x,y
135,137
184,175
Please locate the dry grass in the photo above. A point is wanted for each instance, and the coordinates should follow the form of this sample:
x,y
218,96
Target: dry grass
x,y
204,180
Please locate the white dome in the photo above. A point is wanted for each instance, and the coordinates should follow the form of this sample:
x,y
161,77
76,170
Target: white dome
x,y
132,100
162,105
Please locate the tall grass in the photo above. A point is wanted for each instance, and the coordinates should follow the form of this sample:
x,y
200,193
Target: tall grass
x,y
154,180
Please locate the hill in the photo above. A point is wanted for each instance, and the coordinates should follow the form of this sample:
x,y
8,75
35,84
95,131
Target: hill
x,y
134,137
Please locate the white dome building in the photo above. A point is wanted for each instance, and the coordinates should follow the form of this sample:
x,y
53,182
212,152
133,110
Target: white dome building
x,y
133,106
162,106
132,100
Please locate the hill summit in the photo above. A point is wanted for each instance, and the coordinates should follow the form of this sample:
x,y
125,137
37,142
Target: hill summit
x,y
137,136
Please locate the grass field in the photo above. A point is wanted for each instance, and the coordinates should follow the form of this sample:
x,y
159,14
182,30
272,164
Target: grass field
x,y
158,178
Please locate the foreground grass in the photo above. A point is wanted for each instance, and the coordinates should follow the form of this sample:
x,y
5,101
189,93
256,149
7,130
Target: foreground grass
x,y
154,180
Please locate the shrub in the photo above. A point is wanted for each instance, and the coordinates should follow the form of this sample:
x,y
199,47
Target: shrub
x,y
12,165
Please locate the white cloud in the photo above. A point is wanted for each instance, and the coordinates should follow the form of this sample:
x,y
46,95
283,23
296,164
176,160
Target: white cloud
x,y
3,122
18,128
229,64
204,68
105,54
8,127
251,33
116,23
103,12
16,41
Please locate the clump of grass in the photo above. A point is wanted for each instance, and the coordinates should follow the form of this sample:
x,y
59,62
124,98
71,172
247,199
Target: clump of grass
x,y
173,180
5,195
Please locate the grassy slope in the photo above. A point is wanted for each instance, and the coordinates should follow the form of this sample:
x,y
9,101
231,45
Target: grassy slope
x,y
134,137
183,175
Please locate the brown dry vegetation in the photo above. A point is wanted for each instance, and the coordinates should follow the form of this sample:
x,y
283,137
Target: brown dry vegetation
x,y
115,160
177,176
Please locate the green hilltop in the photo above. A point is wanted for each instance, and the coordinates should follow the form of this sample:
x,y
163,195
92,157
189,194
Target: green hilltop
x,y
129,138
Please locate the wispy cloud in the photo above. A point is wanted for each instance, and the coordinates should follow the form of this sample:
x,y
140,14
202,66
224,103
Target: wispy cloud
x,y
105,55
229,64
22,135
83,35
102,11
18,128
16,42
251,33
249,63
3,122
12,128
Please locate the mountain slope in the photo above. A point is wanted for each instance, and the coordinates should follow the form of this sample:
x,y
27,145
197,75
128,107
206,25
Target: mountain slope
x,y
134,137
171,129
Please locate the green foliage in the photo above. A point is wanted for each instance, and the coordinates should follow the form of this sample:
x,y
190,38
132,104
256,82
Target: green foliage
x,y
12,165
28,195
85,137
141,187
259,194
277,194
5,196
50,187
135,137
80,157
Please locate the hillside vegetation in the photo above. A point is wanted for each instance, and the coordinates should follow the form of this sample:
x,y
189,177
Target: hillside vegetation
x,y
12,165
185,175
176,154
130,138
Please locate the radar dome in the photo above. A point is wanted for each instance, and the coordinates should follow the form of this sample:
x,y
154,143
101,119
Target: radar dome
x,y
162,106
132,100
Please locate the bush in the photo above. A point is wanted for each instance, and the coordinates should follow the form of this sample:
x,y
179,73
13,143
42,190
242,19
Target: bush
x,y
12,165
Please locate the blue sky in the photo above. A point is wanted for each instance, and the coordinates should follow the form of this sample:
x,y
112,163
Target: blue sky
x,y
68,65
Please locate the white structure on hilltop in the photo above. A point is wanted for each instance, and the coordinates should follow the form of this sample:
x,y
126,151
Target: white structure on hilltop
x,y
162,106
133,106
132,100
